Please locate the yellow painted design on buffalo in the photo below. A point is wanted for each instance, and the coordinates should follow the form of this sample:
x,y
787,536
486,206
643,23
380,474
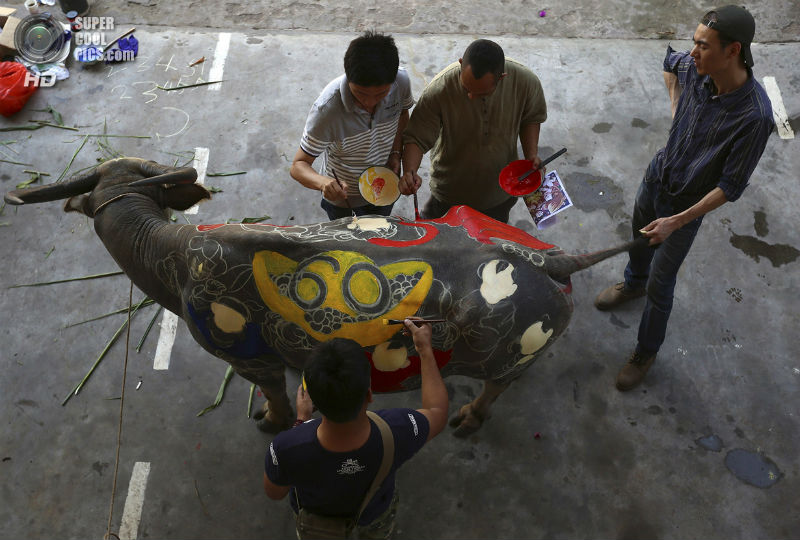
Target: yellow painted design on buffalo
x,y
341,294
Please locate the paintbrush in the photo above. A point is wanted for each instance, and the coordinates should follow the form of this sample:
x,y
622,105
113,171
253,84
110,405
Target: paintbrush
x,y
415,321
346,201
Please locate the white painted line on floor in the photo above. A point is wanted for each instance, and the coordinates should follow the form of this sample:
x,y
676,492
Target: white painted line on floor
x,y
169,326
132,514
778,110
220,54
200,163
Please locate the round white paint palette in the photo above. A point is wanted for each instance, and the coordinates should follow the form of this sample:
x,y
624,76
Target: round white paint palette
x,y
379,186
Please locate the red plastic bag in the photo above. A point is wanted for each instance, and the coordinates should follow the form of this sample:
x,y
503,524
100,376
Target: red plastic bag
x,y
13,91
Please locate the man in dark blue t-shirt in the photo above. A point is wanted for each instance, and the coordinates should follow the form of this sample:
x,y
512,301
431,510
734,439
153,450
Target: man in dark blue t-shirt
x,y
722,119
328,465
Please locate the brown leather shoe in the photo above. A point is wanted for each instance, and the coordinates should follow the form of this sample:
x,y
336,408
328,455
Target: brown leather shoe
x,y
616,295
634,371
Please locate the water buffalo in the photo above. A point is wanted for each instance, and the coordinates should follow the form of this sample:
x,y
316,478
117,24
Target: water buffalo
x,y
260,296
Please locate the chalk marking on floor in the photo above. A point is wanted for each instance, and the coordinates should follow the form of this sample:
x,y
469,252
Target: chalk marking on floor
x,y
132,513
220,54
200,163
169,326
778,110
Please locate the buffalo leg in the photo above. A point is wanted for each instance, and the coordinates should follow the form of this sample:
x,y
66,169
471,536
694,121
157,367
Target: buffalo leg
x,y
470,417
268,373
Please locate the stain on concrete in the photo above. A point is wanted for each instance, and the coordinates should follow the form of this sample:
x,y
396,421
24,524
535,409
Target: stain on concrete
x,y
27,403
583,162
616,321
739,433
575,394
633,526
585,191
655,410
778,254
712,443
735,293
753,468
254,40
761,227
639,123
597,405
602,127
466,454
795,123
99,467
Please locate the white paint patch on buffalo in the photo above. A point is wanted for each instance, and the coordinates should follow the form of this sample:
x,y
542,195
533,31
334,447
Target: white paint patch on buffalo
x,y
532,340
386,359
497,285
227,319
369,224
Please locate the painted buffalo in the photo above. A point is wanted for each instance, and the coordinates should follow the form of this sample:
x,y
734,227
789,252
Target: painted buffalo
x,y
261,296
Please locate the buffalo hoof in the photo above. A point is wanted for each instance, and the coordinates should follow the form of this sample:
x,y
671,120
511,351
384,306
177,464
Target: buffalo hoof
x,y
466,421
268,426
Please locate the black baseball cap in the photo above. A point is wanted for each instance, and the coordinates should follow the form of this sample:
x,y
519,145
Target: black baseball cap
x,y
736,23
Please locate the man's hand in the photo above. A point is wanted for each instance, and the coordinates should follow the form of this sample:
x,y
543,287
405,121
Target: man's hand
x,y
393,163
659,230
305,407
410,182
420,334
334,190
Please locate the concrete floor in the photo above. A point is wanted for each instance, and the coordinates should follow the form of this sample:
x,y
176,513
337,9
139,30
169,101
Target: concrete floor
x,y
606,464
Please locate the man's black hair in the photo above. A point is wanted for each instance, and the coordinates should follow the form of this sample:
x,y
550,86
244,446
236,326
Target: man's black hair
x,y
371,60
338,378
484,57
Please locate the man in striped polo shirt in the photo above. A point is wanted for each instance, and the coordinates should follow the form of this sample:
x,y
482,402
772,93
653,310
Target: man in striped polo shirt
x,y
355,123
722,119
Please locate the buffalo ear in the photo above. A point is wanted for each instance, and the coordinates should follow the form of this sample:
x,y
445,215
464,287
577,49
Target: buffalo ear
x,y
183,197
78,204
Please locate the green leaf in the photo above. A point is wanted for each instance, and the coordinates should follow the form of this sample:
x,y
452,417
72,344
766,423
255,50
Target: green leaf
x,y
255,219
220,392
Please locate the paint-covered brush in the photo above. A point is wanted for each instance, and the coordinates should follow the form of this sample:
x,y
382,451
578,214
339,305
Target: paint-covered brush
x,y
420,321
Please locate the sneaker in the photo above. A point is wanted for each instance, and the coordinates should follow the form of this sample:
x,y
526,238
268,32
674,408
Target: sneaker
x,y
634,371
616,295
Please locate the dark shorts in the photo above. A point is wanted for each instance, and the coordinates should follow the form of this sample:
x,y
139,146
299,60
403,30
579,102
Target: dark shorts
x,y
337,212
435,208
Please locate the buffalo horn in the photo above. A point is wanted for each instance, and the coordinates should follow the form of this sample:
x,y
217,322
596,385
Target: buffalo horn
x,y
186,175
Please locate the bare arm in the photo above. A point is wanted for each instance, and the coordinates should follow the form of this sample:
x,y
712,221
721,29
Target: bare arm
x,y
660,229
435,400
412,157
529,138
397,145
274,491
303,172
674,88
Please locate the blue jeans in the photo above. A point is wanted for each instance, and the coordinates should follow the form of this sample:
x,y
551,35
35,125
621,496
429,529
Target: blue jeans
x,y
656,267
336,212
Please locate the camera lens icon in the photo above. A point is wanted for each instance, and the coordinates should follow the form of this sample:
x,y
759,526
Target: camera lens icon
x,y
41,39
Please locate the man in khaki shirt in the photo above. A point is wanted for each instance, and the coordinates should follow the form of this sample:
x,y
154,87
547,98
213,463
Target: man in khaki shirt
x,y
470,116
